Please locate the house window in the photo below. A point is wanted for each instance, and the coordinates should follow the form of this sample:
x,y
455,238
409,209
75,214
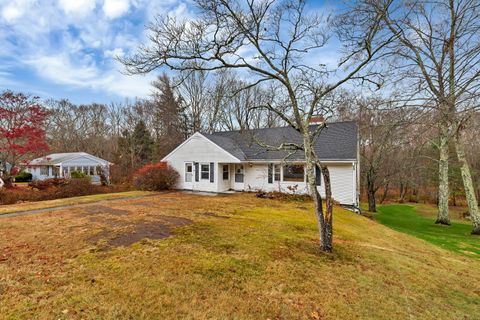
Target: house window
x,y
205,172
270,173
276,169
85,170
225,171
188,172
293,173
239,173
44,170
92,171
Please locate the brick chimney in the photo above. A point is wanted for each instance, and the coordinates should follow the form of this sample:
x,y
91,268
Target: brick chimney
x,y
317,120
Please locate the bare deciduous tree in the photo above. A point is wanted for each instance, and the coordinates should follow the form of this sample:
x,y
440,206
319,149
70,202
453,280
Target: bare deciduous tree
x,y
272,42
437,54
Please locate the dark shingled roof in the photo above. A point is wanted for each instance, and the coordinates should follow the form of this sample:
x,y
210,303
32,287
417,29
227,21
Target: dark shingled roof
x,y
338,141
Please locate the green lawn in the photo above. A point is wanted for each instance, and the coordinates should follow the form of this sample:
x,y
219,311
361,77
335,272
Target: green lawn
x,y
405,218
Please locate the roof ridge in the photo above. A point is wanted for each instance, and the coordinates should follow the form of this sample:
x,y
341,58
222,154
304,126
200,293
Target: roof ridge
x,y
282,127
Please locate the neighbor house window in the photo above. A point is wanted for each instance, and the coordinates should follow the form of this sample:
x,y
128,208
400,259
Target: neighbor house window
x,y
205,172
294,173
239,173
188,172
44,170
225,171
92,171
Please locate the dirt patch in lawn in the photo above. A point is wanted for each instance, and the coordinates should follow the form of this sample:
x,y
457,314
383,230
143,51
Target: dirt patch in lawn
x,y
154,230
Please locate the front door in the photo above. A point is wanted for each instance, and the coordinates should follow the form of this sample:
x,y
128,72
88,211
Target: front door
x,y
239,178
188,176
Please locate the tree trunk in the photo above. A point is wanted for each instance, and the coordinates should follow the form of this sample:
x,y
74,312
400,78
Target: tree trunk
x,y
403,191
329,212
443,216
385,193
468,185
324,222
372,205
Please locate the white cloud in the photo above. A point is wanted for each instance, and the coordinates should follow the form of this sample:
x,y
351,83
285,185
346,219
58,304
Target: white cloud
x,y
117,52
72,44
115,8
62,69
78,7
15,9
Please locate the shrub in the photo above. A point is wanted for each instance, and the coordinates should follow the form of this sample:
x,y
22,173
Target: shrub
x,y
23,176
55,189
48,183
283,196
156,177
120,174
76,187
10,196
77,174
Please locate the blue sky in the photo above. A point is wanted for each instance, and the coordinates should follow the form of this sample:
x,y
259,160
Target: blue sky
x,y
66,48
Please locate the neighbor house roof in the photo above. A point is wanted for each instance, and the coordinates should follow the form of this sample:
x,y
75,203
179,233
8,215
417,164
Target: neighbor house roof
x,y
337,141
57,158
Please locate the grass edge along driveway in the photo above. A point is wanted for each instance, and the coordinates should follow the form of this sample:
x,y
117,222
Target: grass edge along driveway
x,y
36,205
406,219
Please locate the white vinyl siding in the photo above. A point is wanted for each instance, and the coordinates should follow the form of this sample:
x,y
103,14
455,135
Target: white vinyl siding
x,y
202,151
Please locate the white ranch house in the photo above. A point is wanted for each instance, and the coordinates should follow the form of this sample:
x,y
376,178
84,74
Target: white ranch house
x,y
60,165
234,160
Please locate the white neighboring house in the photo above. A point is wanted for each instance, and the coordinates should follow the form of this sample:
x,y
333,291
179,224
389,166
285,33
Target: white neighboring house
x,y
60,165
234,160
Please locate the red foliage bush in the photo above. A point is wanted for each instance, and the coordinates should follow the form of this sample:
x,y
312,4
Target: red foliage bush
x,y
156,177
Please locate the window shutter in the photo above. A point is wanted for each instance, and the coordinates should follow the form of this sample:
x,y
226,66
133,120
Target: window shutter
x,y
212,171
196,172
318,176
270,173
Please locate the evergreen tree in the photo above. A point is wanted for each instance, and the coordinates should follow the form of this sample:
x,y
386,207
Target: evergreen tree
x,y
136,148
169,117
143,143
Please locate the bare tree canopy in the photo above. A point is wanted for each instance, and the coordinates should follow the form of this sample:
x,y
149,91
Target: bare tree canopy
x,y
272,43
436,59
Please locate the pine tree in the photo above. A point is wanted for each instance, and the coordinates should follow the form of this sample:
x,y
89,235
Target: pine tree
x,y
136,148
169,117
